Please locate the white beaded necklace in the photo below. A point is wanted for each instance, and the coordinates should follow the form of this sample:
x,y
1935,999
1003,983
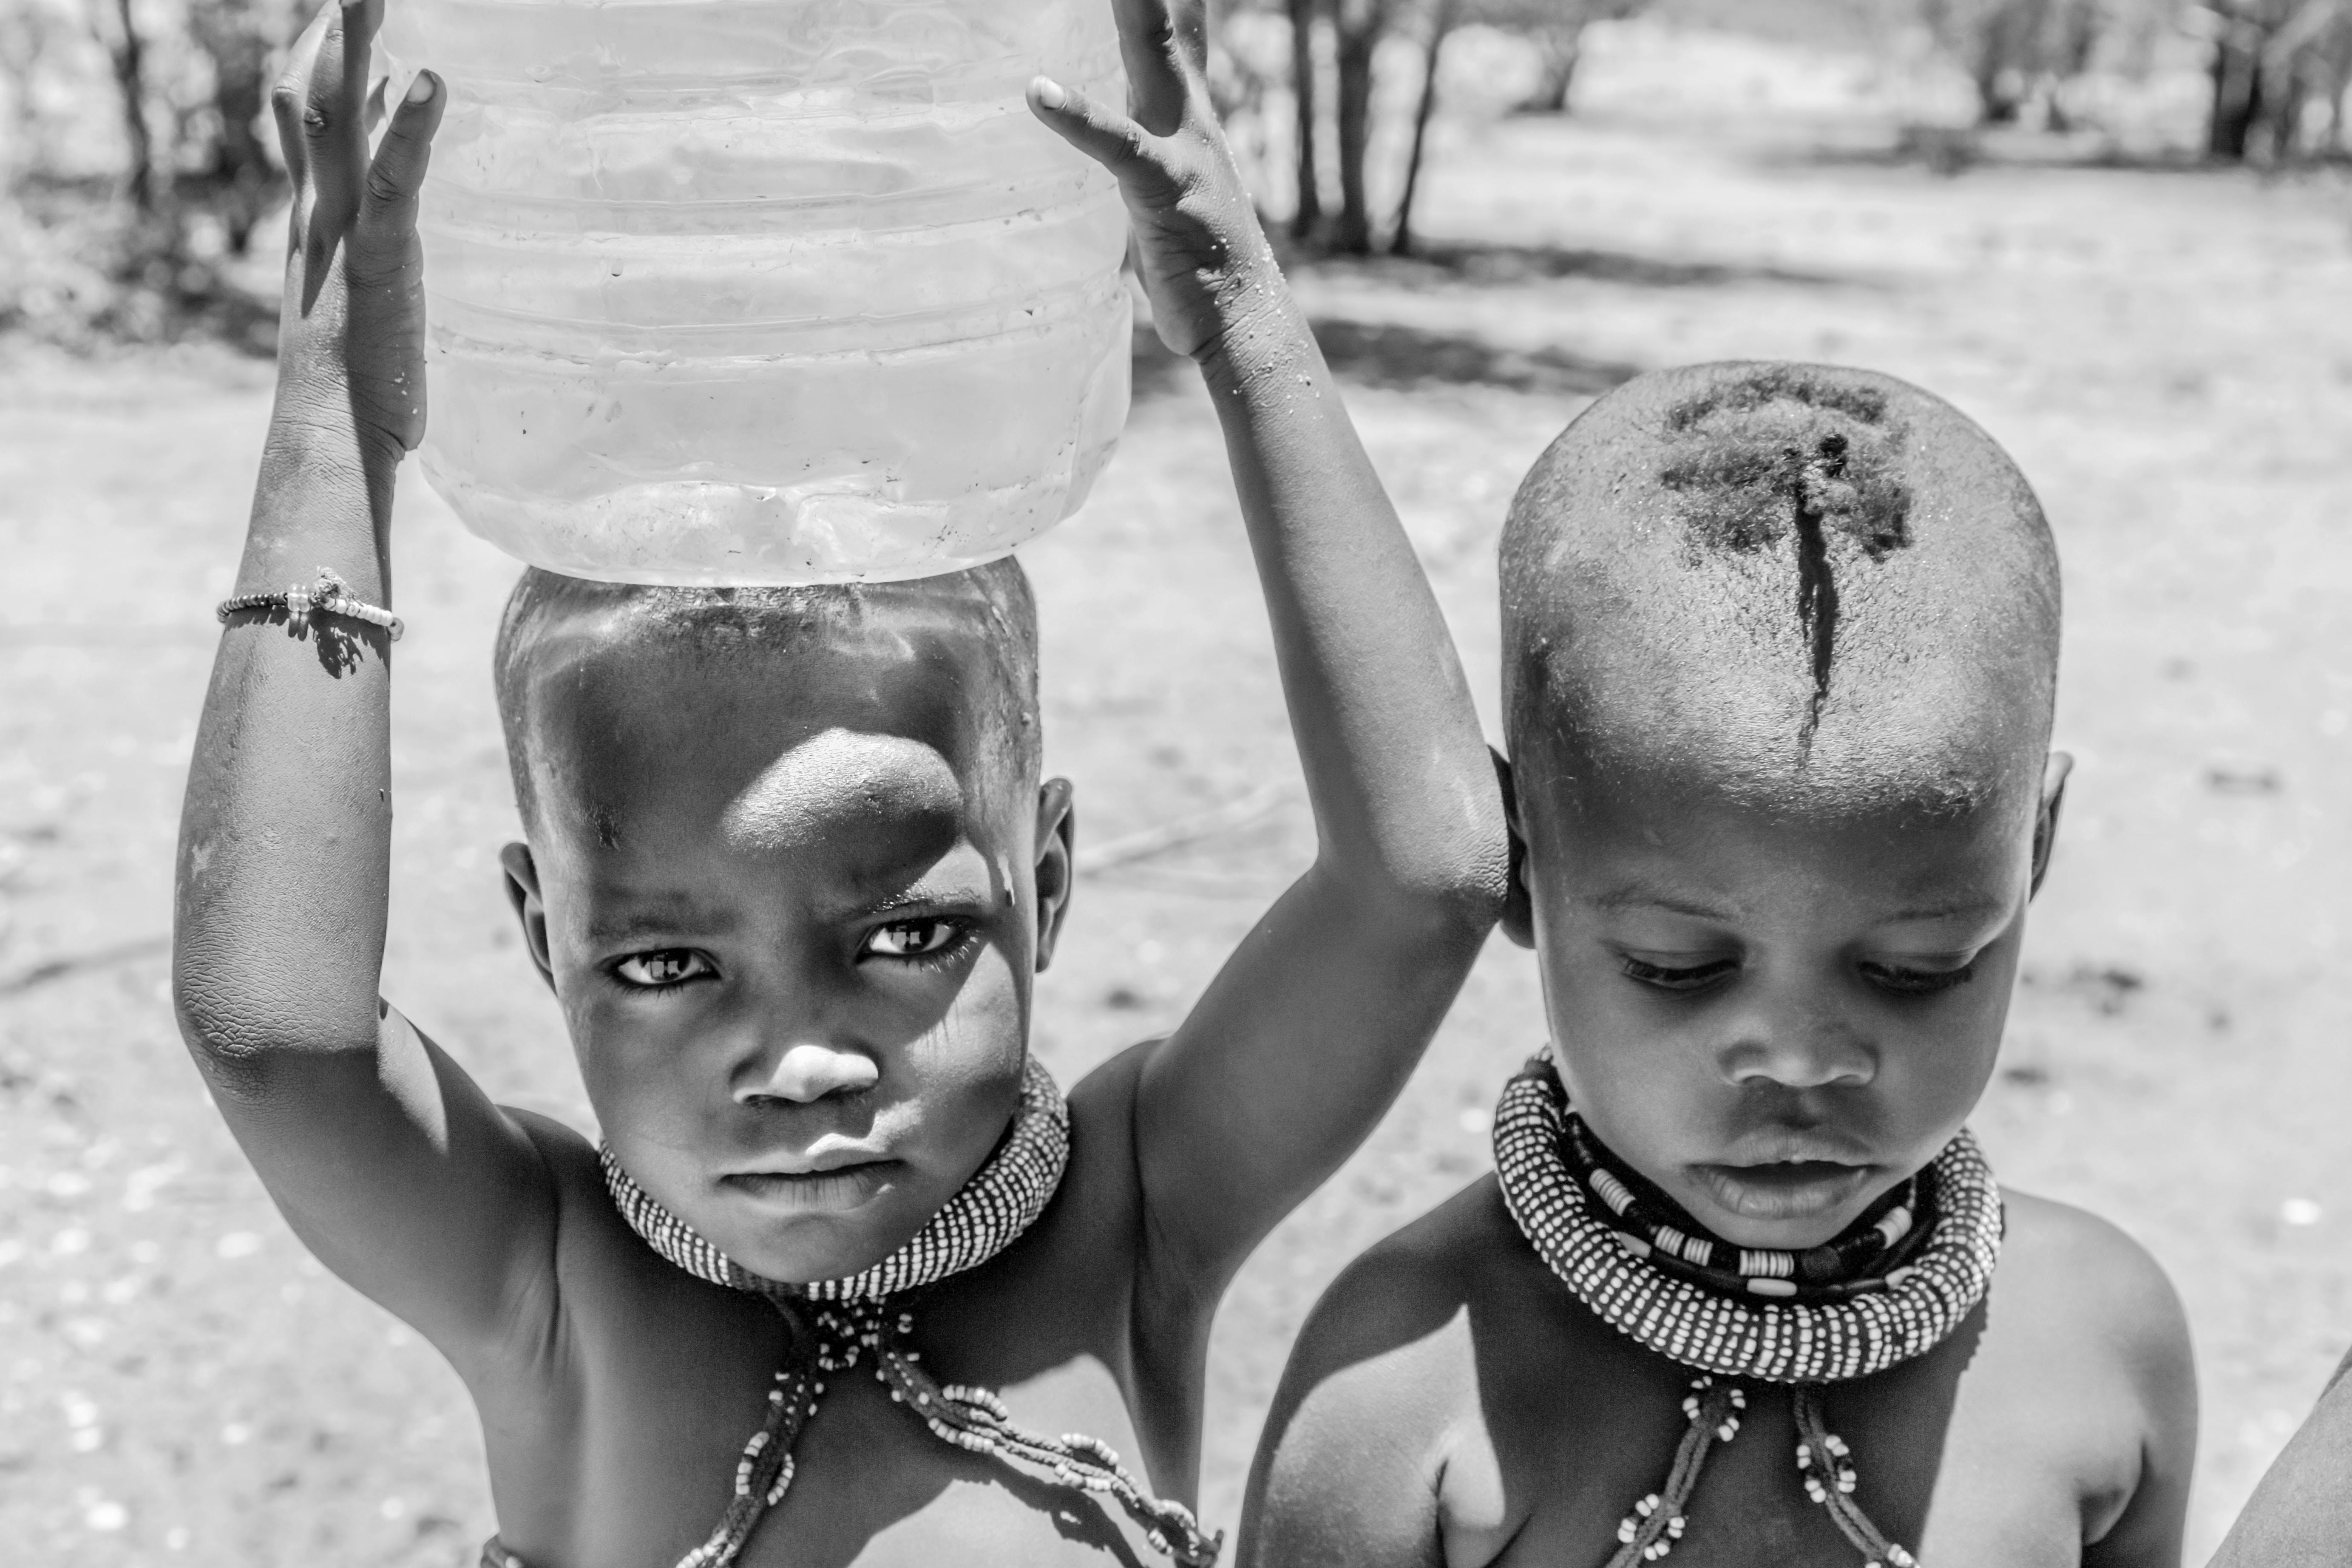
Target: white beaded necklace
x,y
1003,1199
862,1315
1753,1334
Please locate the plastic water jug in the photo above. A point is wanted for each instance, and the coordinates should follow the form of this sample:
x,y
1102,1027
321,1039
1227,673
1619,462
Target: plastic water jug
x,y
765,290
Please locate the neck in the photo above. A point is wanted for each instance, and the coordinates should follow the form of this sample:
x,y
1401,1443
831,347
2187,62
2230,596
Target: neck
x,y
988,1214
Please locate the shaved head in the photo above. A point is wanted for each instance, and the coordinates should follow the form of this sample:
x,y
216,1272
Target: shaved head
x,y
1820,590
968,639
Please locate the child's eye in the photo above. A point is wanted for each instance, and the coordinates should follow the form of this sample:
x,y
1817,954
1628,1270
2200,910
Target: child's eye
x,y
1694,977
661,970
1904,981
922,938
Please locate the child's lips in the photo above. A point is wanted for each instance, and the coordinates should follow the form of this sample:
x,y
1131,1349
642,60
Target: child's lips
x,y
1783,1190
839,1187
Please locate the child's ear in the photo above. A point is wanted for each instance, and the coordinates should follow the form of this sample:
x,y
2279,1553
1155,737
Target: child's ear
x,y
1056,867
523,892
2045,821
1518,920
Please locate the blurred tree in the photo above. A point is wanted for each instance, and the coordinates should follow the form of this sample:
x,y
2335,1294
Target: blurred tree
x,y
1306,216
2015,49
2243,29
138,165
2272,60
118,30
29,33
1357,29
2307,62
239,177
1440,22
1556,28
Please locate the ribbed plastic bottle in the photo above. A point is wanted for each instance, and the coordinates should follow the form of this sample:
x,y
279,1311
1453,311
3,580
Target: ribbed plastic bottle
x,y
743,291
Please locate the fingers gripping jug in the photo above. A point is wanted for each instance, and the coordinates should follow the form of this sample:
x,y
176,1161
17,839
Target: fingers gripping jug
x,y
765,290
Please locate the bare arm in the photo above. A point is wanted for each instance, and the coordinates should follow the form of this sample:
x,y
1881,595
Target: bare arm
x,y
383,1156
2148,1329
2301,1514
2148,1533
1351,1467
1311,1029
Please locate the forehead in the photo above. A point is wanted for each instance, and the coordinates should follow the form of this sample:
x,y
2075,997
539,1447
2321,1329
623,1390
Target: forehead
x,y
763,743
1632,840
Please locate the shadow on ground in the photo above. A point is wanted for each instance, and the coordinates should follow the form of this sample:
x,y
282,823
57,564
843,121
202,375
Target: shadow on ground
x,y
1390,355
1443,263
1957,150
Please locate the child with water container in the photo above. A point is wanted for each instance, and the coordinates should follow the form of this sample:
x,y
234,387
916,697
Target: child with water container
x,y
848,1278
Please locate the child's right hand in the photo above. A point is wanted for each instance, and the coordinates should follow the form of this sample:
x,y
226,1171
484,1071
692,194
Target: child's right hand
x,y
350,346
1205,260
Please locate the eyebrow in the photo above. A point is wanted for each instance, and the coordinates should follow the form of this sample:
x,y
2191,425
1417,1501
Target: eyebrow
x,y
666,915
930,889
1961,909
1627,894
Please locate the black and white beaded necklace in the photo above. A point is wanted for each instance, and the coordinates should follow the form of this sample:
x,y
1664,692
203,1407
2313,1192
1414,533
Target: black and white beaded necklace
x,y
1892,1287
864,1316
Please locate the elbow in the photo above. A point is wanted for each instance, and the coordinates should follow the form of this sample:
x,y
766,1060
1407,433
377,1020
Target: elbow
x,y
1449,887
235,1027
1464,896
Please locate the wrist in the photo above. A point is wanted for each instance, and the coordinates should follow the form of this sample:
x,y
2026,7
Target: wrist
x,y
320,418
317,501
1258,328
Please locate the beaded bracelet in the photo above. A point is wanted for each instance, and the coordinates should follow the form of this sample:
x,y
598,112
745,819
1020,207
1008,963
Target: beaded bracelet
x,y
326,596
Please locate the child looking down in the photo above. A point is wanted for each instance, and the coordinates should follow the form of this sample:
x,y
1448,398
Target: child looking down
x,y
847,1263
1780,651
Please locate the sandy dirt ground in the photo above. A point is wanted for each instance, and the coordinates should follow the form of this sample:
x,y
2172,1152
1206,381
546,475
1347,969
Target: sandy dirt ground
x,y
2168,354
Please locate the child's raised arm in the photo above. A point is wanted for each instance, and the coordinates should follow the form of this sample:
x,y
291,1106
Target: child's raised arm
x,y
383,1155
1311,1029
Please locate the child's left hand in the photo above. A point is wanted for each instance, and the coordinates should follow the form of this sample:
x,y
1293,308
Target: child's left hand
x,y
1204,259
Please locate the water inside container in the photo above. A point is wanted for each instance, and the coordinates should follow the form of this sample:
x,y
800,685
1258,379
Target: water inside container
x,y
765,290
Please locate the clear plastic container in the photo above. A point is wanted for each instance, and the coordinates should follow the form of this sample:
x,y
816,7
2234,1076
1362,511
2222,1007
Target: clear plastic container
x,y
765,290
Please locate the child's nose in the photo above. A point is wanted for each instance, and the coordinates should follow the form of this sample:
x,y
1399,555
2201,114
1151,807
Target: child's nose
x,y
806,1073
1803,1052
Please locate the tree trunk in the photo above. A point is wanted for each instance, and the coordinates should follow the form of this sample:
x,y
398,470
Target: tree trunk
x,y
1308,215
2237,96
1360,24
130,82
2283,111
1440,25
2001,64
1559,47
239,169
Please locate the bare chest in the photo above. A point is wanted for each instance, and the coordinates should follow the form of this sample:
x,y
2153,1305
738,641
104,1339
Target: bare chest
x,y
637,1463
1936,1477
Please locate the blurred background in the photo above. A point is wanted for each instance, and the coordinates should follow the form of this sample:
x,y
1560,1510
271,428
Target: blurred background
x,y
2117,232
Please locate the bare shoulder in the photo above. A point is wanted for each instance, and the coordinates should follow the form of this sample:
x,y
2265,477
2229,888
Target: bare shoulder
x,y
1102,1191
1102,1103
2070,1276
592,1243
572,1167
603,1284
1462,1258
1376,1450
2083,1373
1409,1332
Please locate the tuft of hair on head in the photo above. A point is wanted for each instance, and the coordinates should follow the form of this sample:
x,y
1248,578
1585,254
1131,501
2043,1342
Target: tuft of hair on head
x,y
552,620
1821,589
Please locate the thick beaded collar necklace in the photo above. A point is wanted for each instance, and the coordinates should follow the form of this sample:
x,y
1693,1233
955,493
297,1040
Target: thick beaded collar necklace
x,y
864,1316
1892,1287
